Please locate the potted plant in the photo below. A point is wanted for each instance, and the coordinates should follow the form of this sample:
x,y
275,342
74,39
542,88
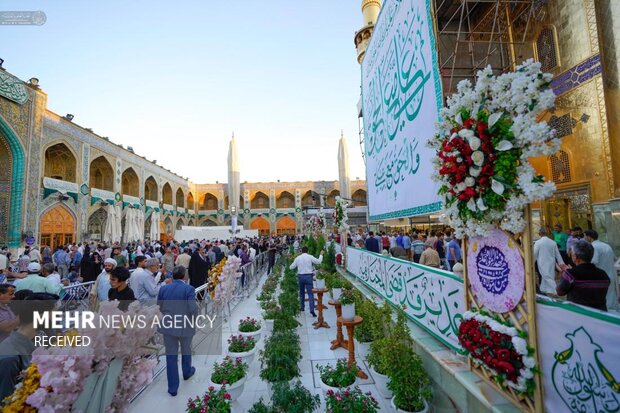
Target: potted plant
x,y
230,372
336,286
213,401
320,280
280,357
347,299
336,377
372,327
266,305
409,381
269,315
379,361
350,401
289,398
242,347
250,327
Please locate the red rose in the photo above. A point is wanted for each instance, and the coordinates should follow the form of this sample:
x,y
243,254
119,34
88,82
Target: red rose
x,y
506,367
503,354
487,169
481,128
467,124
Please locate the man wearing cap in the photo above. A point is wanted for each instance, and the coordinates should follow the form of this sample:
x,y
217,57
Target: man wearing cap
x,y
35,283
99,290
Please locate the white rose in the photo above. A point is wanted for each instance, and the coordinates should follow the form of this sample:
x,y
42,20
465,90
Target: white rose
x,y
469,181
460,187
478,158
503,146
497,187
474,143
474,171
471,205
466,133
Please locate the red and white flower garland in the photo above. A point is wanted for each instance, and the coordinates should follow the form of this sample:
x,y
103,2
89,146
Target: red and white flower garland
x,y
485,139
500,349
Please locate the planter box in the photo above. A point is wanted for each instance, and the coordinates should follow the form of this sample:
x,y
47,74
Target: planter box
x,y
255,334
247,356
325,388
336,293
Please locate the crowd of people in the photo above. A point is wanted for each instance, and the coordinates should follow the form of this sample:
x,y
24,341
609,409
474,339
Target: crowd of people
x,y
152,273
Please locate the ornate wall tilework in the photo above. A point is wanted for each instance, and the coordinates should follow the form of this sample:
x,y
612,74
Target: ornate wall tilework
x,y
13,88
18,118
577,75
33,190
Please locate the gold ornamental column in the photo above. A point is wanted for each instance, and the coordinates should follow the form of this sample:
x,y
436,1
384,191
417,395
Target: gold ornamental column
x,y
608,26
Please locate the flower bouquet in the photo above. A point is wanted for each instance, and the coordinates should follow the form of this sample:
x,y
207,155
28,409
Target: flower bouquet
x,y
339,216
350,401
213,401
486,137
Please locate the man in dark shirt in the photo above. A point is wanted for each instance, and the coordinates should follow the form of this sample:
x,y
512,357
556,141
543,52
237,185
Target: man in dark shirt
x,y
372,244
120,290
584,284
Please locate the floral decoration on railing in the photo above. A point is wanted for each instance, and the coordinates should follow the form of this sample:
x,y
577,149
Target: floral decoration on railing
x,y
214,276
340,216
316,223
60,379
485,139
227,280
501,349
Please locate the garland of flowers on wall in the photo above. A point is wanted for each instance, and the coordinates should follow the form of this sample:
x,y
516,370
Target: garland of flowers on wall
x,y
486,136
501,349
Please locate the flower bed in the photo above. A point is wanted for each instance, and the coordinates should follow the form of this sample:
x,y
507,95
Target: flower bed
x,y
500,348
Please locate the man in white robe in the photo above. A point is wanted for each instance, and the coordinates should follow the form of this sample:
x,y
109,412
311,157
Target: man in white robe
x,y
604,259
547,255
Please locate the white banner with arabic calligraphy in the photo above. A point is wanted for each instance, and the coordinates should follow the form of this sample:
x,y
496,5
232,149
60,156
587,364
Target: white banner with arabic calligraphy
x,y
434,299
401,98
579,352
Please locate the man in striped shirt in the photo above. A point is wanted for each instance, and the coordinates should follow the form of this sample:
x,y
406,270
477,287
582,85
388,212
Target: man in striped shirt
x,y
584,283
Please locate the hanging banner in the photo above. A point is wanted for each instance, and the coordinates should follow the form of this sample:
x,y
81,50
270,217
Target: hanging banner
x,y
579,352
433,299
401,98
496,271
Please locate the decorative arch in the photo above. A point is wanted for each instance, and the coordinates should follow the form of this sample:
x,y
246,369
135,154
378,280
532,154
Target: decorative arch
x,y
180,198
359,198
150,189
130,183
60,163
209,202
180,223
285,200
12,179
260,201
57,226
101,174
96,223
331,198
226,203
191,223
286,225
310,198
166,226
190,201
261,224
166,194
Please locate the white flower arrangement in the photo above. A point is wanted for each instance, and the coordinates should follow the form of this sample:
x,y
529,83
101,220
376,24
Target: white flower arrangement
x,y
520,345
485,139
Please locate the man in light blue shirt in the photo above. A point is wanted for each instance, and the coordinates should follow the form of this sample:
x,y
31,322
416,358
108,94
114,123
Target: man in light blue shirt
x,y
407,245
35,283
454,252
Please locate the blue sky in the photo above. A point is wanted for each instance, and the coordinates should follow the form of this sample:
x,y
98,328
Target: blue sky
x,y
174,79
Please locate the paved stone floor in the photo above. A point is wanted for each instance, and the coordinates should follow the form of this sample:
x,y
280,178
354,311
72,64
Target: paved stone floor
x,y
315,350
